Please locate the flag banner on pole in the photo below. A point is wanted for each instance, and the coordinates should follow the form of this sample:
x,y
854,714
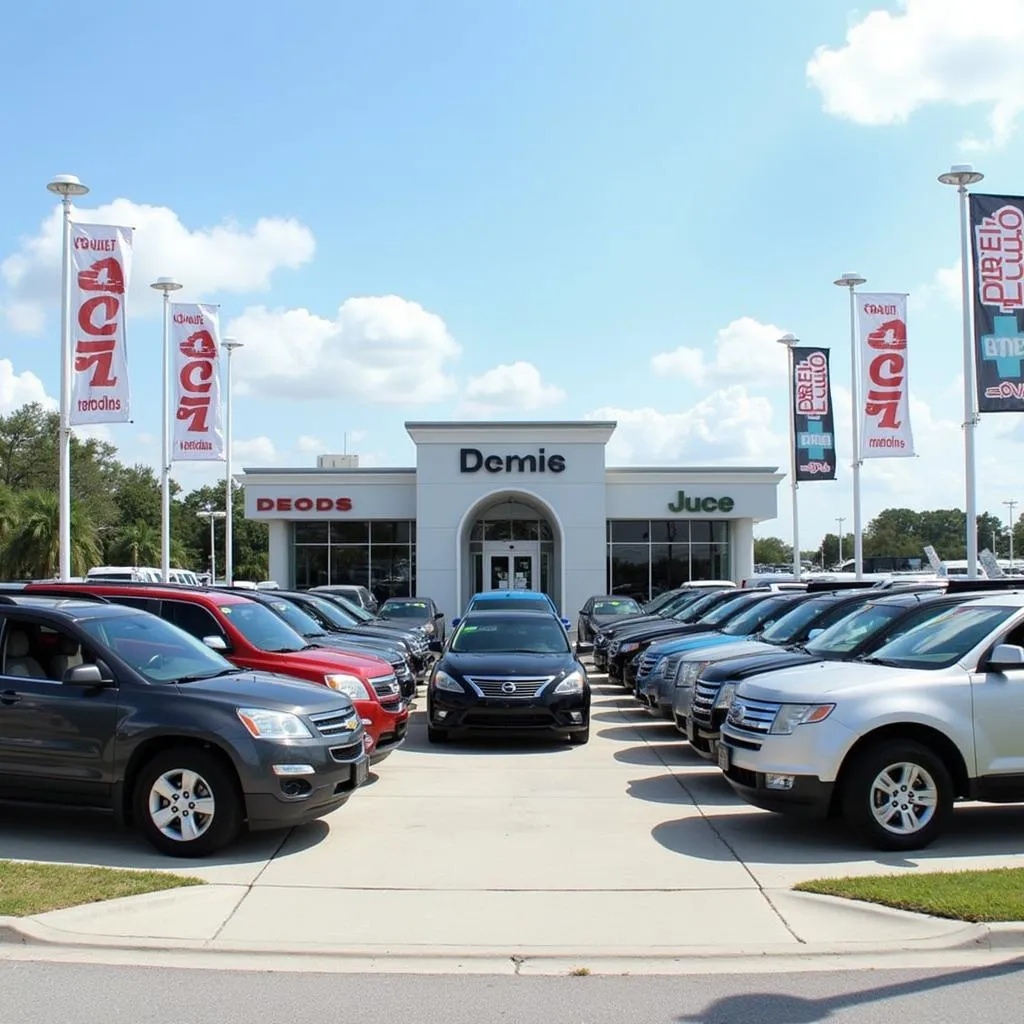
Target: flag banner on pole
x,y
885,411
812,409
198,430
997,240
101,258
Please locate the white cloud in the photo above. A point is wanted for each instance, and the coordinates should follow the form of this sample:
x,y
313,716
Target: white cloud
x,y
206,260
745,350
509,387
729,427
378,349
255,451
931,51
944,287
310,445
18,389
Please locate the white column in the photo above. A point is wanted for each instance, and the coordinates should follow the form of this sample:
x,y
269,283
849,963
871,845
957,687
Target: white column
x,y
741,546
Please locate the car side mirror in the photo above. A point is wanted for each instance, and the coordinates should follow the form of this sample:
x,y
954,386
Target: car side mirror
x,y
84,675
566,623
438,615
1006,656
455,622
215,643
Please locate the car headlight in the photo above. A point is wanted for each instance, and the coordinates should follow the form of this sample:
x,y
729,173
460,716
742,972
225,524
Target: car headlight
x,y
628,648
429,629
792,715
572,683
351,685
443,681
273,725
725,696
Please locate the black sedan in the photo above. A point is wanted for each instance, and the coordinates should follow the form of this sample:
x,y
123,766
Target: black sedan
x,y
601,612
415,611
509,671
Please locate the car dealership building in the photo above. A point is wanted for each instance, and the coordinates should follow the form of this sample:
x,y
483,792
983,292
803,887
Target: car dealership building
x,y
514,505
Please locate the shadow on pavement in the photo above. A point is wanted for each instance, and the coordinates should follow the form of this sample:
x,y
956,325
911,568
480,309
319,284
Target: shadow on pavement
x,y
652,730
765,838
508,742
707,790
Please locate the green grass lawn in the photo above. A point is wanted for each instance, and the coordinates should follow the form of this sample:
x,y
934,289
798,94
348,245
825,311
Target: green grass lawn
x,y
35,888
996,895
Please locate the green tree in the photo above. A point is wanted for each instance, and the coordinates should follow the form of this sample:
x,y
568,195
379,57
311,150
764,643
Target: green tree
x,y
32,546
136,544
772,551
830,549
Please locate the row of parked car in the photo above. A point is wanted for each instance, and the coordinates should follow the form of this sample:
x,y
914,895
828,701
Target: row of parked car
x,y
881,704
190,711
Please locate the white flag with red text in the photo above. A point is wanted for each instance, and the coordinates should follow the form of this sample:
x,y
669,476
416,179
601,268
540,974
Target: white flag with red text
x,y
101,258
885,400
197,432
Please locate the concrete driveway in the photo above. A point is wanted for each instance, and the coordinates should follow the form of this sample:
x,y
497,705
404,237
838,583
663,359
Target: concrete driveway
x,y
630,845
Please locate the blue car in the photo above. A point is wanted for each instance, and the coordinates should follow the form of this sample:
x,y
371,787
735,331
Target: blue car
x,y
513,600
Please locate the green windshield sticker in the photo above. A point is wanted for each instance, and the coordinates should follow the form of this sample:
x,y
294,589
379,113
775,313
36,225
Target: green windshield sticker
x,y
225,609
470,629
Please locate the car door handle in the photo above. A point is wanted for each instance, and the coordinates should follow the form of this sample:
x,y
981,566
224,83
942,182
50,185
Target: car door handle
x,y
9,697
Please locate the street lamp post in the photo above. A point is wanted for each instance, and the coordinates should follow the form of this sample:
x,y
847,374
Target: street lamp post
x,y
840,520
230,344
66,186
790,340
962,175
166,285
852,281
1011,505
209,513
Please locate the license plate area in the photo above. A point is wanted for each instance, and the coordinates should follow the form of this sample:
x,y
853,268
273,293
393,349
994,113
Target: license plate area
x,y
724,760
362,771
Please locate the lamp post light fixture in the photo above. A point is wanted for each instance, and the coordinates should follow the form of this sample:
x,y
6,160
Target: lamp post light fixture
x,y
1011,505
67,186
230,345
209,513
791,340
852,281
961,176
166,285
840,520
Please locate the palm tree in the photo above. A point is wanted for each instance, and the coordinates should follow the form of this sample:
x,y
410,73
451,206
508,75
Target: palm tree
x,y
32,546
137,544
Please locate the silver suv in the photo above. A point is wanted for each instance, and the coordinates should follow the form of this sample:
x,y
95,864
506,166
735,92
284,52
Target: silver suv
x,y
889,743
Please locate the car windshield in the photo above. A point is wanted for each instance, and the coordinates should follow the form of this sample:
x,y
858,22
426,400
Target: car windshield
x,y
262,628
616,606
754,618
853,630
158,651
693,610
515,634
347,607
507,604
725,611
416,610
793,623
944,640
300,621
334,616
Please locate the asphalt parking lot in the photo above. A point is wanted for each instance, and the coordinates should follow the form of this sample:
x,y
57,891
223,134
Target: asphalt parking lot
x,y
629,843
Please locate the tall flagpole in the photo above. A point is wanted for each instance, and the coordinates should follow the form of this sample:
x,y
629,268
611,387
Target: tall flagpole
x,y
962,175
229,504
166,285
852,281
790,340
66,186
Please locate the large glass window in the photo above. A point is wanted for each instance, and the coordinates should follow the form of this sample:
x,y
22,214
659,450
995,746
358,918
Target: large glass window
x,y
646,557
378,555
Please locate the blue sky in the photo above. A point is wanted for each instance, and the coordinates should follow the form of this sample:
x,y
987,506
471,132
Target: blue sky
x,y
521,206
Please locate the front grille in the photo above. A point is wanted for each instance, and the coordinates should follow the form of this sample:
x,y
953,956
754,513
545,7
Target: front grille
x,y
613,648
388,690
352,752
509,687
703,705
753,715
512,720
647,665
600,641
335,723
742,776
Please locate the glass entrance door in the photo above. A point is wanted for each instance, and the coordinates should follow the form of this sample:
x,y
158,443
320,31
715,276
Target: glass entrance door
x,y
511,572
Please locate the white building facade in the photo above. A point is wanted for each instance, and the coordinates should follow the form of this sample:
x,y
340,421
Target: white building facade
x,y
517,505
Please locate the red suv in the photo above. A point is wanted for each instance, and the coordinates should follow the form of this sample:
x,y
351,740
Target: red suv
x,y
251,636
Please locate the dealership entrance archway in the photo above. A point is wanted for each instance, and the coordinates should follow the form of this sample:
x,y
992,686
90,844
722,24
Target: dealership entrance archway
x,y
510,540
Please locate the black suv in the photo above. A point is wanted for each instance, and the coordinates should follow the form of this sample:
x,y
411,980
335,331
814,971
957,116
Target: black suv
x,y
106,706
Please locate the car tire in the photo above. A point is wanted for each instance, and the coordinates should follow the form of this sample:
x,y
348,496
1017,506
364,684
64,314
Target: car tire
x,y
166,824
436,735
892,769
577,739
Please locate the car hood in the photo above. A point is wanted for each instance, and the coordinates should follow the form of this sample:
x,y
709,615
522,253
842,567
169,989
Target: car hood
x,y
326,659
755,664
506,664
810,682
271,691
668,628
676,645
615,627
608,621
723,651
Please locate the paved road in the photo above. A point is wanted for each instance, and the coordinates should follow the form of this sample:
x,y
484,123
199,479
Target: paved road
x,y
78,994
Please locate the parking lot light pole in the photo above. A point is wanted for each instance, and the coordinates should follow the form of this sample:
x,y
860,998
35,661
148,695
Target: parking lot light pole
x,y
66,186
840,520
962,175
1011,505
790,340
209,513
852,281
165,285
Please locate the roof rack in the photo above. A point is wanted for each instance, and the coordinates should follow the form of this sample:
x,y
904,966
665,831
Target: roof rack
x,y
57,591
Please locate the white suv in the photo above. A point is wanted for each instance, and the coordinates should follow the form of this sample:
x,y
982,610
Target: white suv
x,y
890,742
